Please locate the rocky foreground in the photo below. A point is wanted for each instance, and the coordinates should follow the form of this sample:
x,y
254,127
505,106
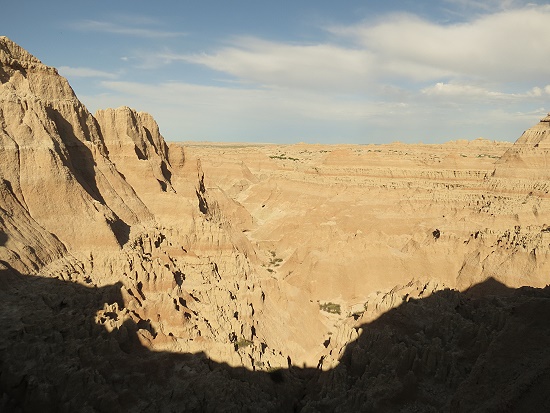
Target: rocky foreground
x,y
137,275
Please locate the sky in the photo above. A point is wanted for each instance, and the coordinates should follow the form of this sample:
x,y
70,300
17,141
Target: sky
x,y
313,71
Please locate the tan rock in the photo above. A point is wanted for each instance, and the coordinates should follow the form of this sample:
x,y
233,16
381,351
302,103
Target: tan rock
x,y
264,277
55,153
529,157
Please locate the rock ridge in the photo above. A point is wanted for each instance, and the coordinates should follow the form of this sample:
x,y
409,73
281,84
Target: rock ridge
x,y
529,157
99,200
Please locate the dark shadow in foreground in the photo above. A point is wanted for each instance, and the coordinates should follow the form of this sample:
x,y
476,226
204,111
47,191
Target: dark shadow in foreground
x,y
487,349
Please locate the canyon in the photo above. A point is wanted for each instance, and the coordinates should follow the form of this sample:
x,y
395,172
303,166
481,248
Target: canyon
x,y
143,275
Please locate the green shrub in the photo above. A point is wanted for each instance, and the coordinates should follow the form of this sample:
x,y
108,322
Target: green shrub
x,y
332,308
243,342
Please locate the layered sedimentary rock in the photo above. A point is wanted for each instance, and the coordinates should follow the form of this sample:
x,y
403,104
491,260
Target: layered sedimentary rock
x,y
529,157
105,200
55,160
137,275
361,217
345,225
138,151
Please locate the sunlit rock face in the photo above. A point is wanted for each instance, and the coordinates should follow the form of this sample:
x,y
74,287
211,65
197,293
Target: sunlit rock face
x,y
104,200
55,160
137,275
529,157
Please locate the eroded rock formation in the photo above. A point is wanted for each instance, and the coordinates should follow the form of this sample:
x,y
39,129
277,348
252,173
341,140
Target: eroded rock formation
x,y
529,157
137,275
151,225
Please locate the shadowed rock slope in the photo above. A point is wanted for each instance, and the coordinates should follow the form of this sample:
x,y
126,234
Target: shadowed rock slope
x,y
137,275
60,351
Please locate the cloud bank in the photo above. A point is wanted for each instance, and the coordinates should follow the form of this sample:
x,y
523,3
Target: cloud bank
x,y
492,67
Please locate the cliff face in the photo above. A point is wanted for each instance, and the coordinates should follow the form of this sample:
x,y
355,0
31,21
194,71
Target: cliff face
x,y
136,147
101,200
55,160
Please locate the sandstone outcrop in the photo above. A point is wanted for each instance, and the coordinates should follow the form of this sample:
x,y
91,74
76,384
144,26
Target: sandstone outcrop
x,y
137,275
138,151
529,157
52,152
68,177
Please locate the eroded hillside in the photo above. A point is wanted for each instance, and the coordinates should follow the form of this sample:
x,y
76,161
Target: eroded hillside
x,y
103,199
346,224
137,275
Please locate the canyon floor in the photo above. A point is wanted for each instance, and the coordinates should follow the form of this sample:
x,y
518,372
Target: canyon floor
x,y
143,275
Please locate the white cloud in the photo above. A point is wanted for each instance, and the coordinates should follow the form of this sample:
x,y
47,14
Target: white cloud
x,y
506,46
85,72
487,5
188,112
253,102
535,92
400,78
306,66
115,28
152,60
462,90
473,94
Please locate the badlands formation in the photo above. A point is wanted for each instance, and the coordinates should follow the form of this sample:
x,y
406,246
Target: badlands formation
x,y
146,276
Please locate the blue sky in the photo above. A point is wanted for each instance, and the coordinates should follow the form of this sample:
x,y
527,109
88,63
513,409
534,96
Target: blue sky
x,y
301,71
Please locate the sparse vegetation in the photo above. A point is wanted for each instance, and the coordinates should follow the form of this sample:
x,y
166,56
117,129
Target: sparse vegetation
x,y
484,155
243,342
329,307
284,157
273,261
